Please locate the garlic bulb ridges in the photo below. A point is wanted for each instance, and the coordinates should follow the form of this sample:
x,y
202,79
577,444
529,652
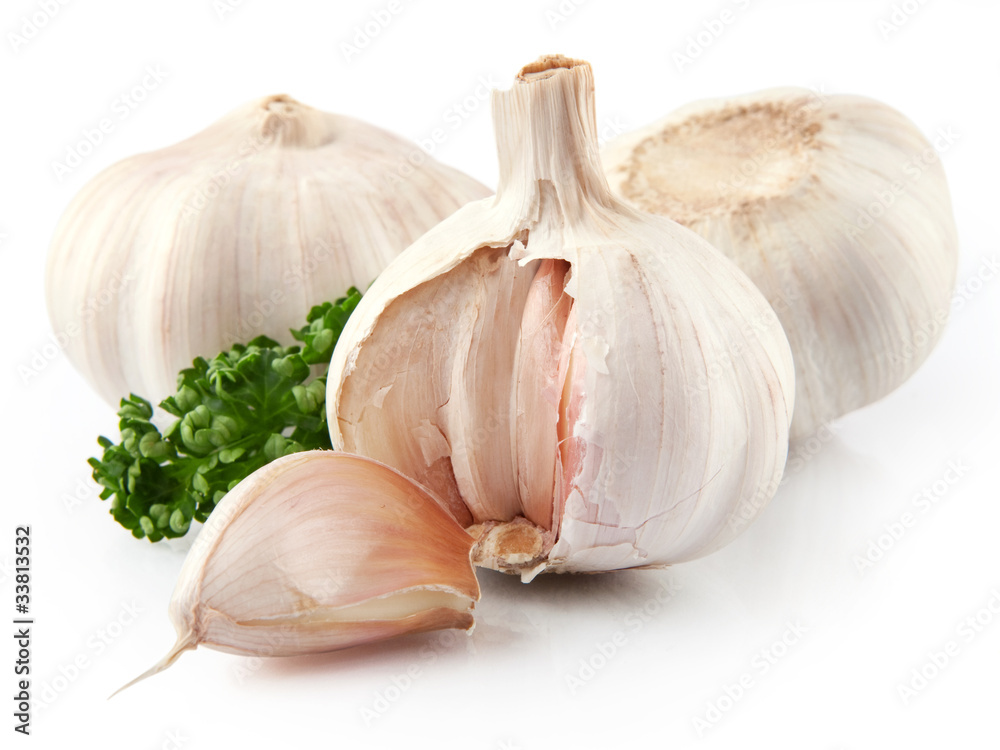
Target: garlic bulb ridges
x,y
234,232
838,209
319,551
559,383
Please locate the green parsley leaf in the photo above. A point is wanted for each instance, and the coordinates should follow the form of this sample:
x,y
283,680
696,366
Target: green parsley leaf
x,y
233,414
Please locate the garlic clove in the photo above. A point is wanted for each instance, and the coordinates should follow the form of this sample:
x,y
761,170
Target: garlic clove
x,y
836,206
482,390
319,551
234,232
661,442
539,386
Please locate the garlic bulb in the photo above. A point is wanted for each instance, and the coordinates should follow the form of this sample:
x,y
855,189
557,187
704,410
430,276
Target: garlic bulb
x,y
319,551
588,388
836,207
234,232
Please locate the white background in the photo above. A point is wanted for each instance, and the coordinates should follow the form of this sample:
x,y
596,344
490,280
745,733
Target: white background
x,y
686,635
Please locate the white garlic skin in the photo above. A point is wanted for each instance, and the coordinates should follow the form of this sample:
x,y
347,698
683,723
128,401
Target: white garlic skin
x,y
836,206
232,233
686,378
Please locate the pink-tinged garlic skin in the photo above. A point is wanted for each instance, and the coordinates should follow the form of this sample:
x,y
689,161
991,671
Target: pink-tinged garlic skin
x,y
313,535
658,465
319,551
539,384
674,379
572,449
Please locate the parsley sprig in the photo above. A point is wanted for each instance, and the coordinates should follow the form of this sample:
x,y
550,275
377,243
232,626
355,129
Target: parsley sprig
x,y
234,413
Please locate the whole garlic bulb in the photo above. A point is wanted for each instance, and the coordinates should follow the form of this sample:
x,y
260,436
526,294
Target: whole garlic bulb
x,y
588,388
234,232
319,551
837,207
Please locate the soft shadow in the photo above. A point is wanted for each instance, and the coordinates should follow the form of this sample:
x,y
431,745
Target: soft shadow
x,y
807,533
397,653
572,589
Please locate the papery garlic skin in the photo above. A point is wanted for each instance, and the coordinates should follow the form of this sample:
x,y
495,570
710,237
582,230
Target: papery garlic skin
x,y
234,232
318,551
673,381
836,206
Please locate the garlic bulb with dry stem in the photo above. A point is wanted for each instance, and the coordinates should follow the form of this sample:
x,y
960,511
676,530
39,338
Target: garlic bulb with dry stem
x,y
234,232
589,388
319,551
837,208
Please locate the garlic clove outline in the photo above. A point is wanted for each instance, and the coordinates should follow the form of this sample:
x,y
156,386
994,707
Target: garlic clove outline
x,y
234,232
319,551
665,443
836,206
